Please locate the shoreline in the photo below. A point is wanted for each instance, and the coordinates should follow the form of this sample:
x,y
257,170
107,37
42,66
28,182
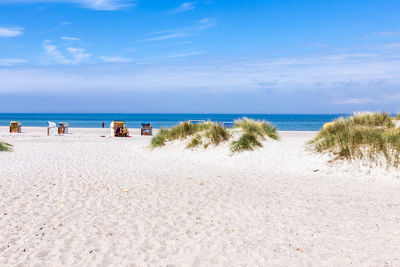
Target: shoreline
x,y
4,129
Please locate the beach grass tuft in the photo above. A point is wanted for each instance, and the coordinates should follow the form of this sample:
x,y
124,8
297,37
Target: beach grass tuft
x,y
253,133
217,134
5,147
248,141
213,133
160,139
364,135
258,128
185,129
196,141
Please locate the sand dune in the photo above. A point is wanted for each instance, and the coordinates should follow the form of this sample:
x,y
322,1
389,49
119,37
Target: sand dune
x,y
84,200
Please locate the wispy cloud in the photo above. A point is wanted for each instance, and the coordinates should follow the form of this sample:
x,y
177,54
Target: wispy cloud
x,y
92,4
185,54
11,61
76,55
52,51
200,26
67,38
387,33
390,46
318,44
357,78
10,31
115,59
185,7
329,73
382,34
355,100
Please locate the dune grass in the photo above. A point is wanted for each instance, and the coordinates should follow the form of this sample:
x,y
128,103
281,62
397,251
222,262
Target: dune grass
x,y
253,133
204,133
160,139
217,134
366,135
195,142
248,141
258,128
5,147
209,133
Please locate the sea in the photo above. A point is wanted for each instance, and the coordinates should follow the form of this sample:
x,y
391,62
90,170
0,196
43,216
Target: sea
x,y
284,122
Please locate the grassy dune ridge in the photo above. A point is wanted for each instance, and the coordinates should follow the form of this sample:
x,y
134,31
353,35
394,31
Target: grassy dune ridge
x,y
210,133
363,135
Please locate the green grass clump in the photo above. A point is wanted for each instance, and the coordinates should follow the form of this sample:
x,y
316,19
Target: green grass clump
x,y
254,132
248,141
217,134
185,129
160,139
195,142
258,128
397,116
209,133
213,132
5,146
372,119
369,135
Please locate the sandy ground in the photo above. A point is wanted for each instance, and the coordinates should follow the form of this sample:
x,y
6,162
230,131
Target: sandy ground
x,y
84,200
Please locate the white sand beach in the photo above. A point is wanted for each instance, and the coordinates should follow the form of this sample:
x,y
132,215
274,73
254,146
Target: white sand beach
x,y
86,200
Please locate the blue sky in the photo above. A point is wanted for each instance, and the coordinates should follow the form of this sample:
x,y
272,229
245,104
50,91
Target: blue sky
x,y
271,56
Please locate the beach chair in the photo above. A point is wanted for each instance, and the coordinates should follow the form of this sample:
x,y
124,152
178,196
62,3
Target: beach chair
x,y
51,129
197,121
227,125
147,129
15,127
63,128
114,126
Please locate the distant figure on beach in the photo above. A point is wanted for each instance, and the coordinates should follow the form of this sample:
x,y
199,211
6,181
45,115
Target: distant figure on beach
x,y
117,131
102,125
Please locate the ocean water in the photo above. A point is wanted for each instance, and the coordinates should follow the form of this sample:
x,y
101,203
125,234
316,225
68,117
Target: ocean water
x,y
284,122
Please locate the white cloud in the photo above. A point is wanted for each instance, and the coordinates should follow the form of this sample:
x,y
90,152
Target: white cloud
x,y
10,31
67,38
343,76
52,51
382,34
200,26
185,7
390,46
186,54
115,59
92,4
357,101
77,55
11,61
387,33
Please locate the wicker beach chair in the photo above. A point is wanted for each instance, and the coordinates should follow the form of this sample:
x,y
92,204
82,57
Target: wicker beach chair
x,y
147,129
114,126
15,127
197,121
227,125
63,128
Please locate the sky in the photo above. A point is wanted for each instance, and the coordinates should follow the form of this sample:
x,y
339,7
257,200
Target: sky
x,y
147,56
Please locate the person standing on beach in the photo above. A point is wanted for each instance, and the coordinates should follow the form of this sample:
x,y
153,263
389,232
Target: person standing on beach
x,y
102,125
